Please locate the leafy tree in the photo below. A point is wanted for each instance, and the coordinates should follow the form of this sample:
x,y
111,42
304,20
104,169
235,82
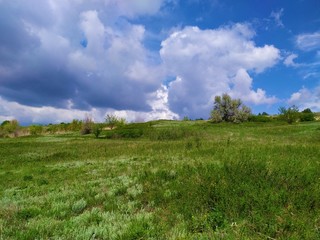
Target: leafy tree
x,y
114,121
227,109
11,127
290,115
35,129
5,122
307,115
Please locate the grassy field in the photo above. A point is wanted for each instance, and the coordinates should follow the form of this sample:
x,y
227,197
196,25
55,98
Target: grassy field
x,y
164,180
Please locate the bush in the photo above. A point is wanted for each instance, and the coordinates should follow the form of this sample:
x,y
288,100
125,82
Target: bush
x,y
10,128
227,109
305,117
35,129
97,129
290,115
87,126
114,121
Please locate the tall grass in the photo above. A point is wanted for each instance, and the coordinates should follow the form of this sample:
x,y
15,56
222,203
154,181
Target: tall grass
x,y
176,180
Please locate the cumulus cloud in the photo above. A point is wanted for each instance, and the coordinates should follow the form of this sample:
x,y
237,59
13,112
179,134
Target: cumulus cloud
x,y
308,41
210,62
306,98
68,53
75,57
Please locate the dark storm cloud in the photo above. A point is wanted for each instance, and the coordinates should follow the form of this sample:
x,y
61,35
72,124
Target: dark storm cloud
x,y
64,54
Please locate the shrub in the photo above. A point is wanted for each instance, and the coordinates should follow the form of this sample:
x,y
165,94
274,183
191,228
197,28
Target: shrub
x,y
97,129
10,127
114,121
307,115
227,109
290,115
35,129
87,126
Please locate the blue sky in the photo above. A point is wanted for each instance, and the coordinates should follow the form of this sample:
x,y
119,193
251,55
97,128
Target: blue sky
x,y
143,60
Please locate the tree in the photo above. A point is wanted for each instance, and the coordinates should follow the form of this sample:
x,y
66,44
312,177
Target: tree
x,y
307,115
11,127
290,115
35,129
114,121
227,109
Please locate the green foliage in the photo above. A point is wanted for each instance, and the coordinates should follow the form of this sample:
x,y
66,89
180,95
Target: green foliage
x,y
75,125
290,115
97,129
79,206
307,115
227,109
9,128
260,118
35,130
114,121
5,123
208,181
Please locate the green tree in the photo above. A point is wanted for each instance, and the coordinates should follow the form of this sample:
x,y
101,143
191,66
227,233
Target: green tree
x,y
35,129
11,127
290,115
227,109
307,115
114,121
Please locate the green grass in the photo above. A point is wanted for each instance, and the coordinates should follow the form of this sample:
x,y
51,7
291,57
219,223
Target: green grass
x,y
164,180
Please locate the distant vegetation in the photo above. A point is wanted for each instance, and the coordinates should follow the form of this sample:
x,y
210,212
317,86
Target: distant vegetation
x,y
225,109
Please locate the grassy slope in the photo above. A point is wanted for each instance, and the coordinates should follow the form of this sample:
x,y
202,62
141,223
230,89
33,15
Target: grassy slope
x,y
248,181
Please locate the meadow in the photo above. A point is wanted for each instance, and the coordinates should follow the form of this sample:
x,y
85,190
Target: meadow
x,y
164,180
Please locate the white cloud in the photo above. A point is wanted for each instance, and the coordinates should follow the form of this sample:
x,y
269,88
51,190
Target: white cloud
x,y
276,15
309,41
211,62
289,60
306,98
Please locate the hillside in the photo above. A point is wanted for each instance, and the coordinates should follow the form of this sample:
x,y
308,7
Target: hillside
x,y
164,180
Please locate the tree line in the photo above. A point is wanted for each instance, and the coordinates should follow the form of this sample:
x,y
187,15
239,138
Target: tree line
x,y
225,109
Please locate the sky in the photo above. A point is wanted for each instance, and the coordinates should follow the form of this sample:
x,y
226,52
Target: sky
x,y
155,59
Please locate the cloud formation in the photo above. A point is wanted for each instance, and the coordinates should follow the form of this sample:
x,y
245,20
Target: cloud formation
x,y
75,57
69,56
306,98
308,41
211,62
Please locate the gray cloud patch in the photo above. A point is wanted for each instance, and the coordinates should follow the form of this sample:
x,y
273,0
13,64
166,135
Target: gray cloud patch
x,y
69,56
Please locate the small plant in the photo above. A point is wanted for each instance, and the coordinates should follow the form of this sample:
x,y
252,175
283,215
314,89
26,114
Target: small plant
x,y
79,206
